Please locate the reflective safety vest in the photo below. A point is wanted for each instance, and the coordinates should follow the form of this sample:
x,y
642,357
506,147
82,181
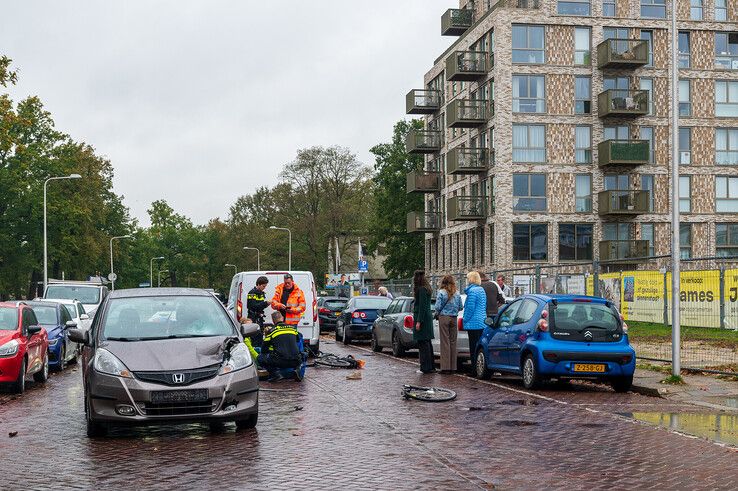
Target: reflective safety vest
x,y
295,306
247,342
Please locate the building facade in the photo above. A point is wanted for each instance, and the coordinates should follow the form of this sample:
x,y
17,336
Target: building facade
x,y
547,133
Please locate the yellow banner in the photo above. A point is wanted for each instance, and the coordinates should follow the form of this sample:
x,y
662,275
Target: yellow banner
x,y
731,298
643,296
699,295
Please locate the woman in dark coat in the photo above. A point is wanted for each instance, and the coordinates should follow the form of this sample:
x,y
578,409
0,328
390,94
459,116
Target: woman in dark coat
x,y
423,332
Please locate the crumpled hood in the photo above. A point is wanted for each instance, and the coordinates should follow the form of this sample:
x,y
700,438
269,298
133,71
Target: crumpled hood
x,y
168,354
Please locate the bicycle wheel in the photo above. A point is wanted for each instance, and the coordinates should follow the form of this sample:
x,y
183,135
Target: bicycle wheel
x,y
428,394
333,362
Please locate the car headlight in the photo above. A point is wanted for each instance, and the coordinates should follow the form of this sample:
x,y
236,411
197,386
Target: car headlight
x,y
240,359
106,362
9,349
53,342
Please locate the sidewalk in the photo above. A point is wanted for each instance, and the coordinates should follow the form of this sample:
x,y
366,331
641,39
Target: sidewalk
x,y
700,390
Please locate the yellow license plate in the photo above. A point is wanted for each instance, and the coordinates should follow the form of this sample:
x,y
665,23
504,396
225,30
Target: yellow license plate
x,y
337,314
589,367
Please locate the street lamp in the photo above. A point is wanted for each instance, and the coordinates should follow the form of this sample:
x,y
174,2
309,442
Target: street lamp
x,y
112,271
235,269
151,270
46,254
158,283
258,256
289,267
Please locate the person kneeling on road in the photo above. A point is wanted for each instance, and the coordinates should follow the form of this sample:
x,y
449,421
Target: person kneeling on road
x,y
279,349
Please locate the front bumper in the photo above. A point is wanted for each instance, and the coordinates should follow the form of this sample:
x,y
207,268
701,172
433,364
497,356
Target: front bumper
x,y
233,396
55,355
9,367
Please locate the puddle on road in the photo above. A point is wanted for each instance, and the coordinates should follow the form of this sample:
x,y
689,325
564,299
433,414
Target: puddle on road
x,y
721,428
520,402
515,423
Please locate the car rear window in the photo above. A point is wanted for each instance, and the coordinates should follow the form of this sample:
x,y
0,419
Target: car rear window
x,y
8,319
84,294
372,303
575,316
45,314
335,304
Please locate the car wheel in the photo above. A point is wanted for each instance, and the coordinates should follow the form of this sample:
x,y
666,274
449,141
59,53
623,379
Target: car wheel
x,y
481,371
42,375
248,423
531,377
338,338
19,386
397,350
622,384
375,343
94,429
73,359
346,336
62,355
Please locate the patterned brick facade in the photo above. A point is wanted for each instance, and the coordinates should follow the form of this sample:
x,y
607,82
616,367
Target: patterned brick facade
x,y
702,50
703,145
560,143
703,193
560,94
560,45
703,98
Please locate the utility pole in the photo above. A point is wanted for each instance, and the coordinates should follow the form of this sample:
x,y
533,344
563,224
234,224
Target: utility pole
x,y
675,253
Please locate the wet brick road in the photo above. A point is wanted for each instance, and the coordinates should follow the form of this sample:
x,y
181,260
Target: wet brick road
x,y
362,435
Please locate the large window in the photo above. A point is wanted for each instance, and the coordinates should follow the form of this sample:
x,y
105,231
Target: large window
x,y
648,37
529,143
583,95
529,192
685,194
583,144
617,182
616,231
530,242
647,234
726,194
653,9
726,146
529,94
648,183
647,134
528,44
582,46
583,193
575,242
685,146
721,10
685,240
608,8
726,50
685,98
685,53
647,85
726,98
616,132
695,9
726,239
574,7
615,33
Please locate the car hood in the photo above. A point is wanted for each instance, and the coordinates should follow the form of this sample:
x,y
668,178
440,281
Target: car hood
x,y
6,336
168,354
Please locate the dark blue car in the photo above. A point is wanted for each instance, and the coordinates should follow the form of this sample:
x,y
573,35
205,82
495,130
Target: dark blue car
x,y
557,336
55,318
357,318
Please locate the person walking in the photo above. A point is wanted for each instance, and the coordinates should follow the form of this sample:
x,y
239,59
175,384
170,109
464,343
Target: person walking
x,y
493,293
423,332
448,305
475,311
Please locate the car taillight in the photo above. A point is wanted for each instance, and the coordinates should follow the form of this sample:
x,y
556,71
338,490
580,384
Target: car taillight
x,y
324,310
357,315
315,306
543,325
624,360
239,303
408,323
460,323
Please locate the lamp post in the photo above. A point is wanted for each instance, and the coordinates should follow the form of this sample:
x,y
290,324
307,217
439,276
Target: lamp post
x,y
258,256
289,267
235,269
158,283
151,270
46,253
112,271
675,253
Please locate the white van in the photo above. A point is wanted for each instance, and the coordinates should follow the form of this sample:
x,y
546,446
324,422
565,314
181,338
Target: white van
x,y
89,293
245,281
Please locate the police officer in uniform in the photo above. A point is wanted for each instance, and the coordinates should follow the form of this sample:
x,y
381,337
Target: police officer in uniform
x,y
280,349
256,301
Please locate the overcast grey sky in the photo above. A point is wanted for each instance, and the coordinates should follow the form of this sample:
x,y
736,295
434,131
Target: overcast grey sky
x,y
198,102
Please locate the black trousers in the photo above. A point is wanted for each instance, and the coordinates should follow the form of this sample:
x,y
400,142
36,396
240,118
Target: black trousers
x,y
425,350
474,336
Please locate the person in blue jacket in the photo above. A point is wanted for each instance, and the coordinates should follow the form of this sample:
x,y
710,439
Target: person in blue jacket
x,y
475,310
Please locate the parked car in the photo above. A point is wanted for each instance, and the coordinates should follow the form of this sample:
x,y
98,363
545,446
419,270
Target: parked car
x,y
558,336
89,293
23,346
194,368
329,309
55,318
462,337
394,327
76,311
357,318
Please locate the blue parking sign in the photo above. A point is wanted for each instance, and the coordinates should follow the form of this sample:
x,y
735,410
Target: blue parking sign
x,y
363,266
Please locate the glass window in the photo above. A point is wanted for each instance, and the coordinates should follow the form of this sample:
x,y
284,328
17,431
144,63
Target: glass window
x,y
616,83
726,146
582,45
583,193
726,50
46,314
726,194
685,194
726,98
647,233
528,44
582,95
85,294
695,9
684,50
529,94
721,10
529,192
617,182
575,242
726,240
648,37
616,231
9,319
647,134
529,143
574,7
685,146
583,144
653,9
647,85
685,240
615,33
608,8
530,242
685,98
616,132
648,184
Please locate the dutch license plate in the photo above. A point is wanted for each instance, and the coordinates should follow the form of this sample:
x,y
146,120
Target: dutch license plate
x,y
337,314
190,395
589,367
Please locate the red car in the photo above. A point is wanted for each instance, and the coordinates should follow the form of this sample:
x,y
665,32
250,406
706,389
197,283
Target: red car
x,y
24,346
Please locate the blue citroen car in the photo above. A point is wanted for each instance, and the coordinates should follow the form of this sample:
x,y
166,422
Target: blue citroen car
x,y
557,336
55,318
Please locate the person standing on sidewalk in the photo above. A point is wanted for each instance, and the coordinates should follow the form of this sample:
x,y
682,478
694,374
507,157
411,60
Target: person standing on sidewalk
x,y
448,305
423,332
493,293
506,292
475,311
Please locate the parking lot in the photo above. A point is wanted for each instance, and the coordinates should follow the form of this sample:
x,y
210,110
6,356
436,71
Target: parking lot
x,y
329,432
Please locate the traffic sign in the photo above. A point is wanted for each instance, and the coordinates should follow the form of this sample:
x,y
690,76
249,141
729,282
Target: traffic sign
x,y
112,276
363,266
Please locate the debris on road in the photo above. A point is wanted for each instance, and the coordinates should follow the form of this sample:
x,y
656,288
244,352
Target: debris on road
x,y
354,376
11,434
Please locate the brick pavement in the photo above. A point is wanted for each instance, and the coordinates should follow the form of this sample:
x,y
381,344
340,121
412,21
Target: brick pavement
x,y
362,435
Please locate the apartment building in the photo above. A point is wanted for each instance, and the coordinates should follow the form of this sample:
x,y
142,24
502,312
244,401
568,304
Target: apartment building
x,y
547,133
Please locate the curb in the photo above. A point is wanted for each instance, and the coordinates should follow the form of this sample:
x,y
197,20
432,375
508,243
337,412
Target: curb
x,y
648,391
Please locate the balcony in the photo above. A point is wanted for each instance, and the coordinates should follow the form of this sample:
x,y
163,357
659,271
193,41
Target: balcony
x,y
622,53
623,152
619,102
611,250
420,181
423,101
521,4
469,208
467,113
455,22
423,141
462,160
466,65
423,222
624,202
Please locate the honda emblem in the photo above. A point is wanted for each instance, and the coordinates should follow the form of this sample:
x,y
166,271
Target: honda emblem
x,y
178,378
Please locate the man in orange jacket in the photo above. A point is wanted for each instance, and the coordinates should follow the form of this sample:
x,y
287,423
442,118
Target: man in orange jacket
x,y
289,300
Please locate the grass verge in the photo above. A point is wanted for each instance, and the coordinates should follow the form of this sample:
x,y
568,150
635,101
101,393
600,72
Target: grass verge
x,y
649,331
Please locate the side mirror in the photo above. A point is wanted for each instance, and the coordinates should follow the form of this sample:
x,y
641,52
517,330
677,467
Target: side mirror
x,y
248,330
380,312
80,336
84,317
70,325
490,321
33,330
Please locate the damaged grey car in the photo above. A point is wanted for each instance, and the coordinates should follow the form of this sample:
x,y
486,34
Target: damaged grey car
x,y
166,355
